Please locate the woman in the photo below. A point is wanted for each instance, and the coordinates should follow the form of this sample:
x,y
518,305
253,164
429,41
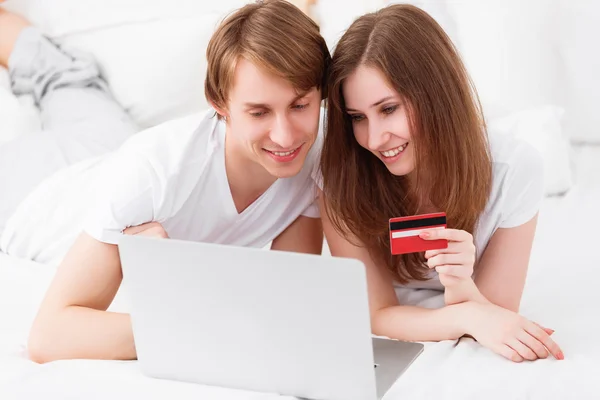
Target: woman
x,y
406,136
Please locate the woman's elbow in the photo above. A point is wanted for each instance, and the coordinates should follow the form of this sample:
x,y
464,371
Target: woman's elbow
x,y
379,322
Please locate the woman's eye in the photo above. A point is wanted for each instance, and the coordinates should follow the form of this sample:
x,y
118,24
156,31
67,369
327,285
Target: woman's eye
x,y
300,106
356,117
389,109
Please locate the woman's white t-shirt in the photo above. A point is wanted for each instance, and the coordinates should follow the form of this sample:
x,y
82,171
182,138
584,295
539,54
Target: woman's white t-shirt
x,y
174,174
516,194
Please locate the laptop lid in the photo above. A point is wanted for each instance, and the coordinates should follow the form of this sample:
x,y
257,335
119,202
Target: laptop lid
x,y
253,319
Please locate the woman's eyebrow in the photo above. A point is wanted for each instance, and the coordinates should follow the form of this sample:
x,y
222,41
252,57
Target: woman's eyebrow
x,y
374,104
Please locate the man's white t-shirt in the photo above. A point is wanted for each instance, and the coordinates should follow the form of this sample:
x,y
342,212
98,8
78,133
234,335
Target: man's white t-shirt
x,y
515,198
174,174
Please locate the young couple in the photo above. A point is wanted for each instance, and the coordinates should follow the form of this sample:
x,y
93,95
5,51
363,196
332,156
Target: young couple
x,y
404,135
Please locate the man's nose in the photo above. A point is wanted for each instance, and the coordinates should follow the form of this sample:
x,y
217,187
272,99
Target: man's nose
x,y
282,133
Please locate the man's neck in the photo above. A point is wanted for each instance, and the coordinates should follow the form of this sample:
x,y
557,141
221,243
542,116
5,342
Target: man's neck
x,y
247,180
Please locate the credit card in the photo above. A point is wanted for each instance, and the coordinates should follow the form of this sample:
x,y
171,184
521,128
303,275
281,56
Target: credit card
x,y
404,233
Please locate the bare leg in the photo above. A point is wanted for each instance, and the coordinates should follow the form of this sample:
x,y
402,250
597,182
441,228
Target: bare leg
x,y
80,118
11,26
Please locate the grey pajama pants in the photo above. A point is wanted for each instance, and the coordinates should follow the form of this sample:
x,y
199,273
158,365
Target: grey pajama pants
x,y
80,119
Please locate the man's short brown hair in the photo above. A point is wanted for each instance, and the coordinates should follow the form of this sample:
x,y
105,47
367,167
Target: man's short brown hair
x,y
274,35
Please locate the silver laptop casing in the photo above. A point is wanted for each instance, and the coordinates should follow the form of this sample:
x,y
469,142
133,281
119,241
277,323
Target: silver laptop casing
x,y
253,319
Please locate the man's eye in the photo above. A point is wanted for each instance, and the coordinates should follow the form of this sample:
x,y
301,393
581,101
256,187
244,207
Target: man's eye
x,y
300,106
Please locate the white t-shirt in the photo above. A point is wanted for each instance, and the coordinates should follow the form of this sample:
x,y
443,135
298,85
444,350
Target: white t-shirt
x,y
516,194
174,174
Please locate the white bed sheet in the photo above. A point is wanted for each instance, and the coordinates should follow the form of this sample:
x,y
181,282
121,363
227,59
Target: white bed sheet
x,y
561,293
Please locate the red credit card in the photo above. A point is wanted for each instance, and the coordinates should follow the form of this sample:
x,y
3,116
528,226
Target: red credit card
x,y
404,233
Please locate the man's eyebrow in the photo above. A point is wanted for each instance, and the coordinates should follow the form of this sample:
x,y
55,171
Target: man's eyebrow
x,y
300,95
264,105
256,105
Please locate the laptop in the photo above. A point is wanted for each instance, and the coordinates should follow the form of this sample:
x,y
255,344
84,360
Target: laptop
x,y
259,320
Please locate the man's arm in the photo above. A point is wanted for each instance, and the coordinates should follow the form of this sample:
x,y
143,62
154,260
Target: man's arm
x,y
72,321
304,235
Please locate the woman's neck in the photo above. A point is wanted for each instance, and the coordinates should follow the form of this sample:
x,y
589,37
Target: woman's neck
x,y
418,194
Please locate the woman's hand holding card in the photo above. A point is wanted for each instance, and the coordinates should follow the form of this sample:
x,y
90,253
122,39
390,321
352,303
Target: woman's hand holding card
x,y
454,264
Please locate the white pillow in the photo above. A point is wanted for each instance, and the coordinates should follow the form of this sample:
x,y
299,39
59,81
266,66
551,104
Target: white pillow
x,y
542,128
153,54
61,18
155,70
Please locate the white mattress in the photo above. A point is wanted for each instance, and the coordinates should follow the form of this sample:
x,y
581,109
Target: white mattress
x,y
561,293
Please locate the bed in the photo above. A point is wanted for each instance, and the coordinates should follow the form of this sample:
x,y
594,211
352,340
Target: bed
x,y
560,293
565,268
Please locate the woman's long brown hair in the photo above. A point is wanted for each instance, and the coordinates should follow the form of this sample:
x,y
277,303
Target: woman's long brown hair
x,y
452,159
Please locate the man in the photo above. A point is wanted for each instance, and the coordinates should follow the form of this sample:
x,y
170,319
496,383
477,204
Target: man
x,y
241,173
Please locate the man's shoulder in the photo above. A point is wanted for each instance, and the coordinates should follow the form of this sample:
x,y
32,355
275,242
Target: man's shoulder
x,y
172,142
172,133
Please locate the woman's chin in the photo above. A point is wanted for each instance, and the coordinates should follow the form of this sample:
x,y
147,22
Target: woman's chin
x,y
400,169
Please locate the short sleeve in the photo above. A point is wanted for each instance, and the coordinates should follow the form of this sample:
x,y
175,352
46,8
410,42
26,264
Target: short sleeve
x,y
124,197
312,211
525,187
318,178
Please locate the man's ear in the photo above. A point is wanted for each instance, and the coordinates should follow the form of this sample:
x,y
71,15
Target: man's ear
x,y
222,112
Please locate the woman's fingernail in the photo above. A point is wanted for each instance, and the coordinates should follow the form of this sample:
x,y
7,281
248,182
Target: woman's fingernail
x,y
424,235
560,355
551,331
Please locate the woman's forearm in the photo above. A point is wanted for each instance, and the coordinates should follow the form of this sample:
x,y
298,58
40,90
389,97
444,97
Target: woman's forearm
x,y
462,291
417,324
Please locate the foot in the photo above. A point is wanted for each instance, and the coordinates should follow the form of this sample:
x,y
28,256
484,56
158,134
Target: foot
x,y
11,26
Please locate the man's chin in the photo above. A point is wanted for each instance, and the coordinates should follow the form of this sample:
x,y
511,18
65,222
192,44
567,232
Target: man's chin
x,y
287,170
284,172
